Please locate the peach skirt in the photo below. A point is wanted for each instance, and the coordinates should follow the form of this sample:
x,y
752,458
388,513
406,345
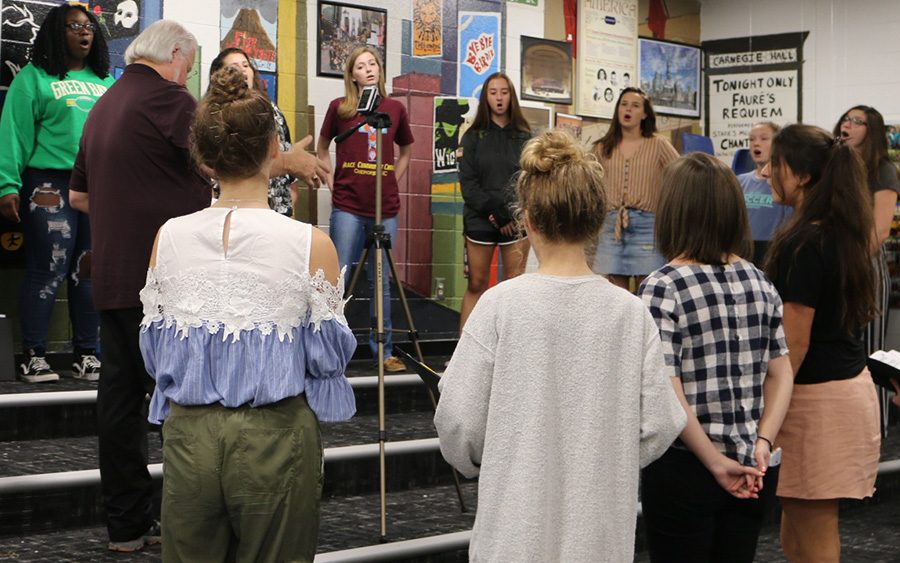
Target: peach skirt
x,y
831,440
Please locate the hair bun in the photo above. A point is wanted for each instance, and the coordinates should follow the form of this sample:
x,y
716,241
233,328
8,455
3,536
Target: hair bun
x,y
227,85
549,150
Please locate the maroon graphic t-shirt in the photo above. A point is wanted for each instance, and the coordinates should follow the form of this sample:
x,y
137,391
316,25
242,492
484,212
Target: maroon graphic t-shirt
x,y
354,168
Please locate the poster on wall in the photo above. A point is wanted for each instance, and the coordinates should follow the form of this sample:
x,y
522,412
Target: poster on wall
x,y
570,123
670,74
607,52
21,20
192,81
343,28
119,19
748,80
893,136
251,25
546,70
479,51
427,25
450,114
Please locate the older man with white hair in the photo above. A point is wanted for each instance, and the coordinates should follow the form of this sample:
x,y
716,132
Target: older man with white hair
x,y
133,173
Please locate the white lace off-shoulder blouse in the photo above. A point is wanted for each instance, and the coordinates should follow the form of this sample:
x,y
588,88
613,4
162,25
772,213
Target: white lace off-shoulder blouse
x,y
246,326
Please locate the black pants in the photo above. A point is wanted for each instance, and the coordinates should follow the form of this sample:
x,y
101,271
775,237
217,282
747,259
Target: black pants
x,y
122,426
689,518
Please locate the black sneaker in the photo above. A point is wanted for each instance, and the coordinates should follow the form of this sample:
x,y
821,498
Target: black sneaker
x,y
152,536
87,368
37,370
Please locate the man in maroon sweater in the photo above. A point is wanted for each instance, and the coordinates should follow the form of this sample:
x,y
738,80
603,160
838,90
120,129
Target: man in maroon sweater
x,y
133,173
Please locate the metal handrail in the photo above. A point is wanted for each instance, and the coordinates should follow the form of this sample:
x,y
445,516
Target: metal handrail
x,y
91,477
51,398
399,550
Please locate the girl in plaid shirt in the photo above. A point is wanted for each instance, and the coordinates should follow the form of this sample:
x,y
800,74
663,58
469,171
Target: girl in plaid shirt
x,y
720,323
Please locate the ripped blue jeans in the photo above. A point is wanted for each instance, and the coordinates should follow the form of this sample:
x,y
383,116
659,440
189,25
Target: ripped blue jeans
x,y
57,250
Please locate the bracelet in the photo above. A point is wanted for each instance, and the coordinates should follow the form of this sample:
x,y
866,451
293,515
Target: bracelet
x,y
766,440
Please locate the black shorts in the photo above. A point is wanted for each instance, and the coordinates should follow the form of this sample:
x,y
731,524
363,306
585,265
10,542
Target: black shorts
x,y
493,238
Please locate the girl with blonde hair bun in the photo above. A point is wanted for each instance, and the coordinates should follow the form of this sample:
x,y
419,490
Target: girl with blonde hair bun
x,y
558,379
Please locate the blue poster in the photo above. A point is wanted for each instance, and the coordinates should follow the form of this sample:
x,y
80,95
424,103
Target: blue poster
x,y
479,51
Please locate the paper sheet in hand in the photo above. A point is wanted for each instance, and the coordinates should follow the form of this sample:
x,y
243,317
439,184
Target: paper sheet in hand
x,y
884,366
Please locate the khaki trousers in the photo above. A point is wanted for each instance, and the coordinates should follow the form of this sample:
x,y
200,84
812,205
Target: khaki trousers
x,y
241,484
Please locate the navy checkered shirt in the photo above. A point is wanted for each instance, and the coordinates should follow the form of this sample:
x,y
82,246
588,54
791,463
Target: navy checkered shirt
x,y
720,326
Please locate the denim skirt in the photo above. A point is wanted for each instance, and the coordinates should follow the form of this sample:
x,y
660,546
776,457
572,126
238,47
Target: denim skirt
x,y
634,254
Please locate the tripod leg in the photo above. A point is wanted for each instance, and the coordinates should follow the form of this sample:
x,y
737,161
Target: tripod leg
x,y
382,435
359,268
413,334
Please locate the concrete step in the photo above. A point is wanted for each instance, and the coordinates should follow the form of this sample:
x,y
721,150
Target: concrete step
x,y
61,483
67,408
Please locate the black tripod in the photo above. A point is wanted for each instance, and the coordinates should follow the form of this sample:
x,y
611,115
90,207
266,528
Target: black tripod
x,y
379,240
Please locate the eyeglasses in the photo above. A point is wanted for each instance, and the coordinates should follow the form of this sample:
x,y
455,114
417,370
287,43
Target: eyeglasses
x,y
77,27
854,120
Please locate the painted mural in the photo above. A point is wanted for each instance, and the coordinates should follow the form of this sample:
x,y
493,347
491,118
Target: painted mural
x,y
251,25
427,28
449,116
479,51
121,21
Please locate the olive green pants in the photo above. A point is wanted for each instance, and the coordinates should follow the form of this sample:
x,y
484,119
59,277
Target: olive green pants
x,y
241,484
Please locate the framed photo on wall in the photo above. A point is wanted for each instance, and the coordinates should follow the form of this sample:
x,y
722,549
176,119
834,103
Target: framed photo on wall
x,y
538,116
546,70
344,27
669,73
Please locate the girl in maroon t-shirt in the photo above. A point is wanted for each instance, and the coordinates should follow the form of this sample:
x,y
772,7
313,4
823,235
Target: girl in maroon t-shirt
x,y
353,180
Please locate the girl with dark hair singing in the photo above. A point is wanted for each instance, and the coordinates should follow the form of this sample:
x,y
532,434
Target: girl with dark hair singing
x,y
633,157
820,263
862,128
43,116
720,321
490,160
243,375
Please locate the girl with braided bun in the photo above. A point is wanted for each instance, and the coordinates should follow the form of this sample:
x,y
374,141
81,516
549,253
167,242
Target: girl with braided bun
x,y
243,376
558,379
821,265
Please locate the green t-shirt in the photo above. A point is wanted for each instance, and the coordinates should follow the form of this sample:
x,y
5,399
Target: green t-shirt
x,y
42,121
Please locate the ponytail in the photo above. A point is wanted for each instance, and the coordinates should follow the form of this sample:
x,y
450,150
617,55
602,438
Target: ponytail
x,y
836,198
